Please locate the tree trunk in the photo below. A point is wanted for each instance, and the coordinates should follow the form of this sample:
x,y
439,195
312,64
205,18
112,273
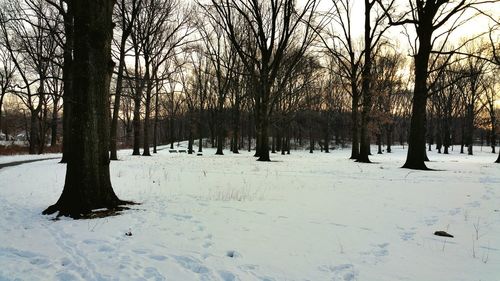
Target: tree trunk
x,y
156,121
388,133
354,121
137,126
1,104
249,133
118,94
147,113
379,143
470,128
220,133
34,134
263,135
311,140
171,127
53,125
327,133
190,135
364,150
67,70
87,184
447,137
416,155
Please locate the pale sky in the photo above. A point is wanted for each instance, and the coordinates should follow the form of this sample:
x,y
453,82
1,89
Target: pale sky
x,y
476,25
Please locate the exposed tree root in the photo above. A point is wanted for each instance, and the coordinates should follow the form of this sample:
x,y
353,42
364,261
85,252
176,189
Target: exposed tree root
x,y
86,213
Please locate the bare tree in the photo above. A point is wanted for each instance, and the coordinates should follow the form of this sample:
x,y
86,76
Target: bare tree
x,y
126,11
429,18
65,41
87,186
340,42
274,25
488,99
7,70
31,46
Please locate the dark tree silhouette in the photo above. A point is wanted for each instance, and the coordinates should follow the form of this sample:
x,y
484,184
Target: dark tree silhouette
x,y
426,16
87,184
127,13
276,26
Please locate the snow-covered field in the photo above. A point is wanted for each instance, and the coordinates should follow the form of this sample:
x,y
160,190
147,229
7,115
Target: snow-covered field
x,y
302,217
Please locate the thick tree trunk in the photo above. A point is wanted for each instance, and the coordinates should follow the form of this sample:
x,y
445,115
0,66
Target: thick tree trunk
x,y
220,130
34,134
87,184
416,155
263,136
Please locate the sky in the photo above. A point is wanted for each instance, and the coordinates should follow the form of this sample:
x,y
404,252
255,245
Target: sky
x,y
469,28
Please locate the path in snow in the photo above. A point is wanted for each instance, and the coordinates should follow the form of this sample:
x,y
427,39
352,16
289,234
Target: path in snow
x,y
15,163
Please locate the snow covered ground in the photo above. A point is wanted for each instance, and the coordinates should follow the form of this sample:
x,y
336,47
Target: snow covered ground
x,y
302,217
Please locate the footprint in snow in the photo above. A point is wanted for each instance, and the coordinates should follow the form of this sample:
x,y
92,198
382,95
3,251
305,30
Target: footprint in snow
x,y
407,236
192,264
454,211
227,276
474,204
140,251
377,251
151,272
341,272
105,248
430,221
65,276
158,257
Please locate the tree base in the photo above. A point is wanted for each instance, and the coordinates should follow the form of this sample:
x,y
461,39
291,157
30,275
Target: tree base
x,y
79,213
264,159
416,166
